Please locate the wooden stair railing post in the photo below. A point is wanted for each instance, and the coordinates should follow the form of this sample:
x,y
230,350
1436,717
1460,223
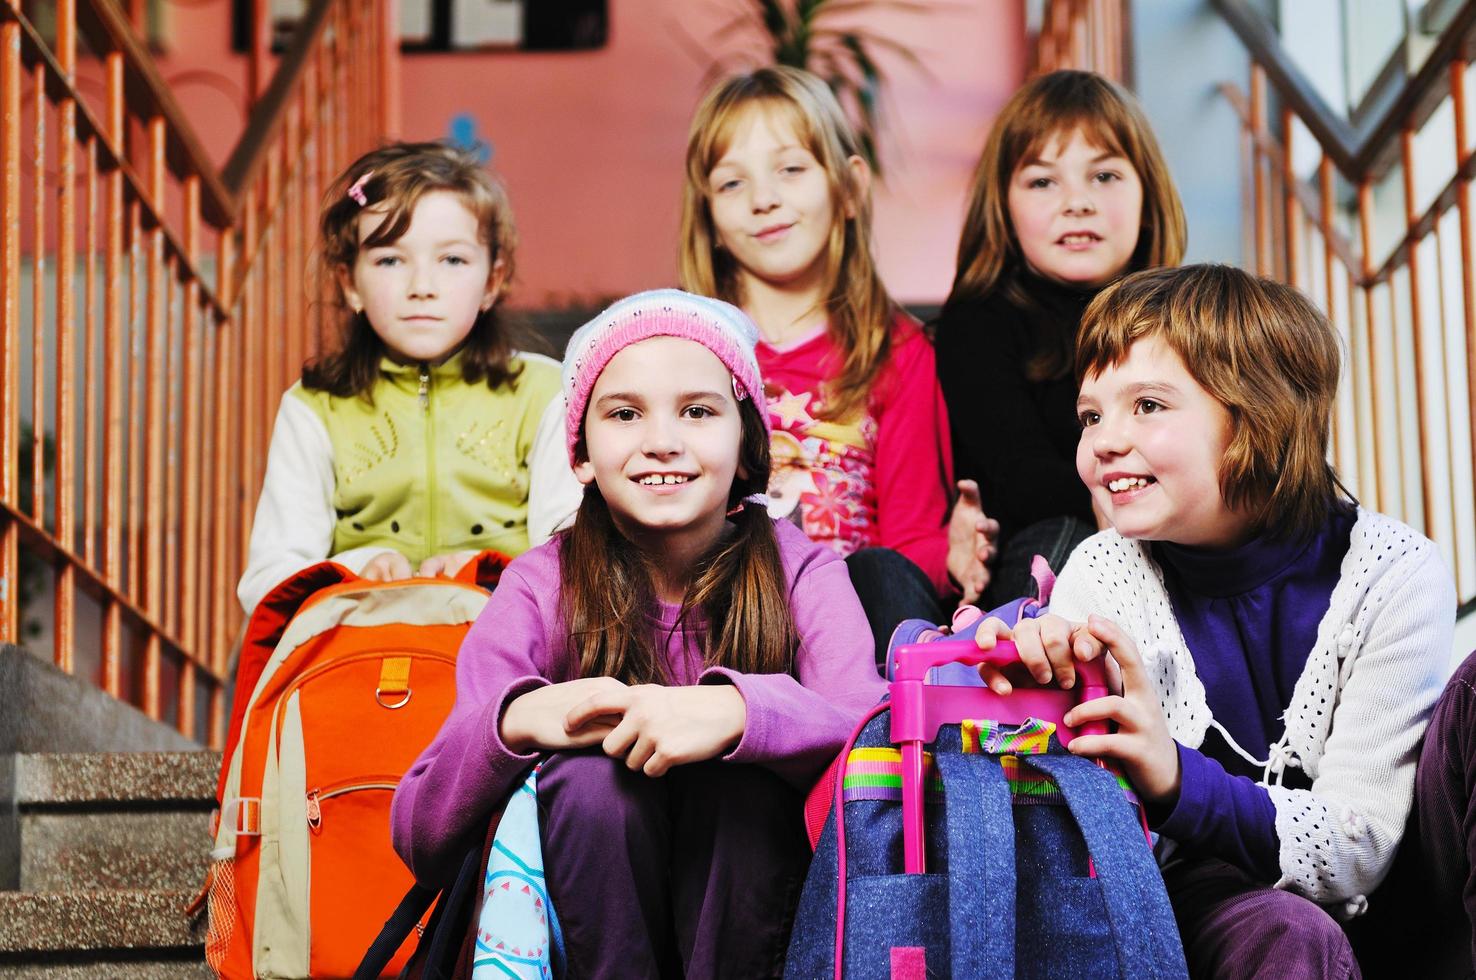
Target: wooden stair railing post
x,y
10,221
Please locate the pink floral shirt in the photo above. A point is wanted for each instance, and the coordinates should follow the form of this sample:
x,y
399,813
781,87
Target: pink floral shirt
x,y
882,478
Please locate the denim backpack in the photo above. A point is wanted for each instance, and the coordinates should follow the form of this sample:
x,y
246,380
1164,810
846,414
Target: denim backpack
x,y
964,841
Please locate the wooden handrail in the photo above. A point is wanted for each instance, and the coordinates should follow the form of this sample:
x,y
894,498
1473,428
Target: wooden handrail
x,y
1368,150
107,28
269,114
118,495
1404,430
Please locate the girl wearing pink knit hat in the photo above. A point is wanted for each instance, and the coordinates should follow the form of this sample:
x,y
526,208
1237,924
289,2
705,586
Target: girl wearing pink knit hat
x,y
684,664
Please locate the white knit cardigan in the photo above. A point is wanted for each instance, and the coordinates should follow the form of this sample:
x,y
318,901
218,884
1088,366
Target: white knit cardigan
x,y
1356,714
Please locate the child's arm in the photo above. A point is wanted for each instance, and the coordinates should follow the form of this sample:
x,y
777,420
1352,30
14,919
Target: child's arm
x,y
1190,797
444,799
657,727
914,465
1335,841
796,724
1338,840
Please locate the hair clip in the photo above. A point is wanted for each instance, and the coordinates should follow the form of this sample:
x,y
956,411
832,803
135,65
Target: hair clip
x,y
739,391
357,190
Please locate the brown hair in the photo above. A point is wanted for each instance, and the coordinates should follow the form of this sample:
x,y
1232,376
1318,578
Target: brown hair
x,y
400,174
859,309
607,593
1046,108
1261,349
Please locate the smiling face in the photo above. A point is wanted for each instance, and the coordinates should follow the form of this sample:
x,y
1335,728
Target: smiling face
x,y
771,205
424,291
1152,441
661,438
1076,210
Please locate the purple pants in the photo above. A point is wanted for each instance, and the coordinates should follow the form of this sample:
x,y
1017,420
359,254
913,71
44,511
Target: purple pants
x,y
696,873
1419,922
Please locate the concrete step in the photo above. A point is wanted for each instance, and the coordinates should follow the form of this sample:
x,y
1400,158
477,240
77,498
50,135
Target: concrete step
x,y
97,821
109,933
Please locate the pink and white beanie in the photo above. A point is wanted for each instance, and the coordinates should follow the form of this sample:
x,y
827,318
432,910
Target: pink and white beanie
x,y
720,327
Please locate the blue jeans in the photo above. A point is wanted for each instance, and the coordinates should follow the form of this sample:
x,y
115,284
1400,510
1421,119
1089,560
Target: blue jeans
x,y
891,588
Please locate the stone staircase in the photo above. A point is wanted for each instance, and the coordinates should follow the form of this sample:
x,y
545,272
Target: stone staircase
x,y
104,833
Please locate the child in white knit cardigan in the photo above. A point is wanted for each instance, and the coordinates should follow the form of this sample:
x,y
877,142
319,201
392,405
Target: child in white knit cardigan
x,y
1279,648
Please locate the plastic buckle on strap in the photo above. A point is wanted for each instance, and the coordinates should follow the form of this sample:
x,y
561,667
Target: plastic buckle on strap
x,y
248,816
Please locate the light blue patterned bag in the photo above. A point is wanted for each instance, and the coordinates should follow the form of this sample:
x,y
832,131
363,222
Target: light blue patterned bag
x,y
517,931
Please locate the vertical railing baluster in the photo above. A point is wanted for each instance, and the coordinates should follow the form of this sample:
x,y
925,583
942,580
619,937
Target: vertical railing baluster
x,y
39,230
137,338
1329,270
169,613
1365,230
112,638
10,355
1463,207
1262,218
389,68
1411,219
156,297
1293,213
66,333
90,473
226,472
189,456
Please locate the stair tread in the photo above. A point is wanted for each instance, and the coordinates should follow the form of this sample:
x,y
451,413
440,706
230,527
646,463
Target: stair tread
x,y
116,777
99,920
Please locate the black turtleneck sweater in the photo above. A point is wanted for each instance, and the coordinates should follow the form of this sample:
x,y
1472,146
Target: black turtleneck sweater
x,y
1014,436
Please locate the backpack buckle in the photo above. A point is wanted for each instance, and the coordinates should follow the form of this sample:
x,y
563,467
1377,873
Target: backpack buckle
x,y
248,816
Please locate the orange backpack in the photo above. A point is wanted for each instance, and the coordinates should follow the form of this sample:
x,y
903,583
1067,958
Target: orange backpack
x,y
342,682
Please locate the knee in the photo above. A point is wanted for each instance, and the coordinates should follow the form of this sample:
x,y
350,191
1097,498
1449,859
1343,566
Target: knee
x,y
1293,923
594,796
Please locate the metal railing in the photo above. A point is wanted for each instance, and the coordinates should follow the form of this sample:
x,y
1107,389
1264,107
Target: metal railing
x,y
1374,222
152,309
1091,35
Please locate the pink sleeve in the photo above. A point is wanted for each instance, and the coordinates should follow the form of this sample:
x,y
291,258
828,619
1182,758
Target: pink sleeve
x,y
914,462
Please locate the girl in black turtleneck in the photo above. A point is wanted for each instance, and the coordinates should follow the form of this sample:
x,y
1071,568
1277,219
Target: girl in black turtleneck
x,y
1070,193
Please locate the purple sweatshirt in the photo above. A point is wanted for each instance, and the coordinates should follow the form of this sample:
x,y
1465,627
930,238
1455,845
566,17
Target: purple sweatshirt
x,y
796,724
1249,617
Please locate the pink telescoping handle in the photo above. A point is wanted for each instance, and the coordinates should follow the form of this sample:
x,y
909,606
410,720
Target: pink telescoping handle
x,y
918,709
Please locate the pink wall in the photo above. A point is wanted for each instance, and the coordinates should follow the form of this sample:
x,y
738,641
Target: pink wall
x,y
590,144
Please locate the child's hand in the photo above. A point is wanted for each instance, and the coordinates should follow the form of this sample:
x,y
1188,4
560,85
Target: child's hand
x,y
388,567
1049,647
538,719
971,538
1141,744
447,565
661,726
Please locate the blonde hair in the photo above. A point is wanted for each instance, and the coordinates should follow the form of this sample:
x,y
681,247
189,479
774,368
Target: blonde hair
x,y
395,178
860,311
1263,351
1049,107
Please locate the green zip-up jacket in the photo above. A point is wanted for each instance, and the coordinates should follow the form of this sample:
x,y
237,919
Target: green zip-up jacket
x,y
433,465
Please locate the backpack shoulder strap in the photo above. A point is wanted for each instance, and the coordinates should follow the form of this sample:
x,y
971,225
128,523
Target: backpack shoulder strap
x,y
1146,937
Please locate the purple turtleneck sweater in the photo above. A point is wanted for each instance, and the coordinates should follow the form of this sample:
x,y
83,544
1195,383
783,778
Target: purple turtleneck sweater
x,y
1249,617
